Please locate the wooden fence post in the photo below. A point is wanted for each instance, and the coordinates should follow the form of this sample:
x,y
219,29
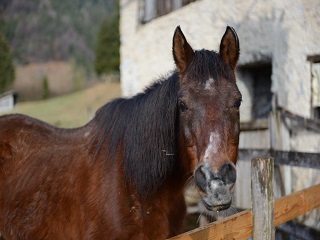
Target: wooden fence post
x,y
262,178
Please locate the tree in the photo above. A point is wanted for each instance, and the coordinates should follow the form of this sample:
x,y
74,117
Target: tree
x,y
6,67
45,88
108,46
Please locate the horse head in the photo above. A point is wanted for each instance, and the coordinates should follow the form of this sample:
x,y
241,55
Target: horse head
x,y
208,110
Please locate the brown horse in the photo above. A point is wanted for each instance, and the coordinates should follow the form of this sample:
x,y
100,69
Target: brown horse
x,y
122,175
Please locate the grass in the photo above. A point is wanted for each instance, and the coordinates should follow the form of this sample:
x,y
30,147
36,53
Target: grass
x,y
72,110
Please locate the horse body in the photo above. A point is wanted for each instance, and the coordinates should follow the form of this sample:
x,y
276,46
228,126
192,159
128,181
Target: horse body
x,y
122,175
42,187
59,190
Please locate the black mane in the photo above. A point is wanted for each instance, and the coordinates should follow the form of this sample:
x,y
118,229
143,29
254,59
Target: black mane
x,y
207,64
145,126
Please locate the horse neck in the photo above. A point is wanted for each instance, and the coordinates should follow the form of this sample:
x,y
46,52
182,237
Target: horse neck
x,y
143,130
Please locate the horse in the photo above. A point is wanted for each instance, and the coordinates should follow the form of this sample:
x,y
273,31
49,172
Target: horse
x,y
123,174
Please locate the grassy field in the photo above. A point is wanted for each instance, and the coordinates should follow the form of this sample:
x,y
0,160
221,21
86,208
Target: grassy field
x,y
72,110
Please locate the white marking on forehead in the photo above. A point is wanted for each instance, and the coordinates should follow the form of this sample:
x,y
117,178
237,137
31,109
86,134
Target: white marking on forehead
x,y
209,82
213,146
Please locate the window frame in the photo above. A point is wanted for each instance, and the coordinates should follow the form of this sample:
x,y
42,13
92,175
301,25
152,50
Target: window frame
x,y
314,111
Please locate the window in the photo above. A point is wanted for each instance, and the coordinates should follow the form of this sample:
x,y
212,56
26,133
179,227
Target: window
x,y
257,79
315,86
316,113
150,9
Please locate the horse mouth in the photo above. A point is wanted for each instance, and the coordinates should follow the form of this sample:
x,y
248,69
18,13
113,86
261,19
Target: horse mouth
x,y
216,207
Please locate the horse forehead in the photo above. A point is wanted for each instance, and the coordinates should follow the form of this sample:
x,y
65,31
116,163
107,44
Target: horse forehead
x,y
210,86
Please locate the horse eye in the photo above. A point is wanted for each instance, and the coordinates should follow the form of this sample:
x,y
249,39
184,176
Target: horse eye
x,y
237,104
183,107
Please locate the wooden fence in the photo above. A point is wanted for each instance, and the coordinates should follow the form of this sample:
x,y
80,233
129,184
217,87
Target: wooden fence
x,y
266,213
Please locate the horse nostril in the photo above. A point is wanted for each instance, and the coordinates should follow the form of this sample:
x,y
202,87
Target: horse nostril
x,y
200,178
228,174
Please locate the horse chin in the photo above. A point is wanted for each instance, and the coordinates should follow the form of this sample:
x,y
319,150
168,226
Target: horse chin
x,y
212,206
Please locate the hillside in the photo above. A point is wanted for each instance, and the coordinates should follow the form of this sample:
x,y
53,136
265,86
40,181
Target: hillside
x,y
56,30
72,110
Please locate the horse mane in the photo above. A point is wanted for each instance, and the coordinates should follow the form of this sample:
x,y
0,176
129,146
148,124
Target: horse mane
x,y
207,63
145,127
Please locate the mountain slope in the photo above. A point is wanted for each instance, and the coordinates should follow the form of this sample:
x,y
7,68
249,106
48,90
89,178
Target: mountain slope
x,y
43,30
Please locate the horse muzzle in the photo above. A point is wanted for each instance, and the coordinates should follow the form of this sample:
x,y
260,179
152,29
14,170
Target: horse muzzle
x,y
216,187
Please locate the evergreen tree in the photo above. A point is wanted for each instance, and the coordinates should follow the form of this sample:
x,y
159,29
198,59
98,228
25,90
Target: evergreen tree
x,y
45,88
6,66
108,45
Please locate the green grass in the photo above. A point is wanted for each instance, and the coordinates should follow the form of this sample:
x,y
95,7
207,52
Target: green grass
x,y
72,110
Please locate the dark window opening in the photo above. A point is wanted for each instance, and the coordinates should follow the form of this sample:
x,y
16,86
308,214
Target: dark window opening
x,y
259,77
151,9
316,113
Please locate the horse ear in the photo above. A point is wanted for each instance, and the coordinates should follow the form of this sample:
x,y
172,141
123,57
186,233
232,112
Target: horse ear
x,y
229,47
182,51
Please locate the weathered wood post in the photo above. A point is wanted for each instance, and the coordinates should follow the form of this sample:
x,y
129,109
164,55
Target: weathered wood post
x,y
262,178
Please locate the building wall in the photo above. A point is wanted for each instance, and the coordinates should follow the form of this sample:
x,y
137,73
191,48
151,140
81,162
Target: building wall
x,y
281,32
6,103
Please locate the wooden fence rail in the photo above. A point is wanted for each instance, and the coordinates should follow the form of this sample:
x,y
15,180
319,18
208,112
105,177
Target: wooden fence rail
x,y
239,226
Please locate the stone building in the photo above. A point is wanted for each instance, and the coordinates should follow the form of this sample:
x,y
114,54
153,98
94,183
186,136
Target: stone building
x,y
279,65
